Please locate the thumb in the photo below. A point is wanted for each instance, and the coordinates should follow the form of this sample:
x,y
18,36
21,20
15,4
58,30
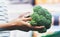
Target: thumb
x,y
27,24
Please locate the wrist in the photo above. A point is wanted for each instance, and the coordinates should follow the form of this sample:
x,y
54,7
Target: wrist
x,y
12,23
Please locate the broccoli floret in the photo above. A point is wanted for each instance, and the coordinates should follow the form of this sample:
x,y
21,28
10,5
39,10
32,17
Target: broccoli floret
x,y
43,30
41,17
36,8
33,23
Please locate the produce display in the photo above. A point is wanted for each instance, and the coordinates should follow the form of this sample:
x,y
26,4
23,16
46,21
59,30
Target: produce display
x,y
41,17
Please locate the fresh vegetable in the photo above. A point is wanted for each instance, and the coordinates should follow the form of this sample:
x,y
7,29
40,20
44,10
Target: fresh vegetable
x,y
41,17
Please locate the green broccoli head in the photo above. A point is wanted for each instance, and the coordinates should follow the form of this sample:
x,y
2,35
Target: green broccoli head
x,y
41,17
36,8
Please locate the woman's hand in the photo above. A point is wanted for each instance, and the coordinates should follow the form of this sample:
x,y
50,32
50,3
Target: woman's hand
x,y
22,24
21,21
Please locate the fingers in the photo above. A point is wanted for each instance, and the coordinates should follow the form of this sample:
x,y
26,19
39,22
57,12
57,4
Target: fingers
x,y
23,15
38,27
26,24
27,19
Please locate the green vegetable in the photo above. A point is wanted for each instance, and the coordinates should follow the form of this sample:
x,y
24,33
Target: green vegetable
x,y
41,17
55,34
42,30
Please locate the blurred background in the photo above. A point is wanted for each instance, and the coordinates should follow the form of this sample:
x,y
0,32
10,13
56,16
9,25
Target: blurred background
x,y
15,8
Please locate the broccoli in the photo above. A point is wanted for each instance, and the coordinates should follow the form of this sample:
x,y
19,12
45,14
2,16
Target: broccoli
x,y
42,30
41,17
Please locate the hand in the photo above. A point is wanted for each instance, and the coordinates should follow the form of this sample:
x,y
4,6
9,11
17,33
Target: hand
x,y
22,24
21,21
